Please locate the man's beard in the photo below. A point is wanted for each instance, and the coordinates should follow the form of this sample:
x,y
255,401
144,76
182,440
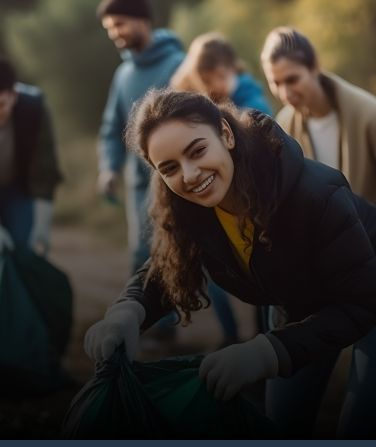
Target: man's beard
x,y
132,43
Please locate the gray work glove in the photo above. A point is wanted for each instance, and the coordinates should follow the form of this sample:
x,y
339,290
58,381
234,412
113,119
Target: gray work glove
x,y
230,369
39,239
121,324
5,240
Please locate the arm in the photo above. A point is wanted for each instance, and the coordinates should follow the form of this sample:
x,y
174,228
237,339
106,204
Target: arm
x,y
111,149
150,297
345,261
136,309
44,175
44,172
39,239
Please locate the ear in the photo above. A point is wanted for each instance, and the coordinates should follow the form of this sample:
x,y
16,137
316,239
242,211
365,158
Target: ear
x,y
227,137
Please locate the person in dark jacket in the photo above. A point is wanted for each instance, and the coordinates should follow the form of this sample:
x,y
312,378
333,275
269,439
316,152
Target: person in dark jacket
x,y
233,192
29,170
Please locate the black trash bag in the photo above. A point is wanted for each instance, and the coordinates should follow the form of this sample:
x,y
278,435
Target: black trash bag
x,y
50,291
35,304
159,400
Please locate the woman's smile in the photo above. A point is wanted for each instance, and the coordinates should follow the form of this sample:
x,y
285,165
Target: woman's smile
x,y
205,186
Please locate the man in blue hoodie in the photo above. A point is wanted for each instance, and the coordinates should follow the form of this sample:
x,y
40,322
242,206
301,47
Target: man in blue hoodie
x,y
149,60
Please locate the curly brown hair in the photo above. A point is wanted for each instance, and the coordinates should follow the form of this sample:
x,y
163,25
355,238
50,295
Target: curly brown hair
x,y
176,257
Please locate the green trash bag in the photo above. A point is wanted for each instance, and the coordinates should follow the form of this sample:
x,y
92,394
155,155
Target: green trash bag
x,y
35,320
159,400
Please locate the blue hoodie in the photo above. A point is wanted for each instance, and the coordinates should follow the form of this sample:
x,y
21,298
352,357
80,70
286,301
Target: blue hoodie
x,y
249,93
133,78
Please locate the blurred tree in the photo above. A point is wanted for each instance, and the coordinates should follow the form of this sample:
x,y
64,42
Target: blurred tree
x,y
162,10
62,47
244,22
343,32
72,58
7,5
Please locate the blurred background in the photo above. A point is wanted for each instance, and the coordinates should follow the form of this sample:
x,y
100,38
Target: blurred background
x,y
61,47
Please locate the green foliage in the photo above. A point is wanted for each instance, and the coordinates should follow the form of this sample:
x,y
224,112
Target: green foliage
x,y
17,4
62,47
161,10
343,32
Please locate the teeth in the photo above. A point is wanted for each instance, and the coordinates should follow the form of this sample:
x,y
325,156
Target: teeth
x,y
205,184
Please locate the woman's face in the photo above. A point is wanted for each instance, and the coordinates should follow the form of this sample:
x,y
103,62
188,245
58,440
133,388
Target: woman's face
x,y
193,161
293,83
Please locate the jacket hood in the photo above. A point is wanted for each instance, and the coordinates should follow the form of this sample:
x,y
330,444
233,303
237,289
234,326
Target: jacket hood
x,y
291,164
164,43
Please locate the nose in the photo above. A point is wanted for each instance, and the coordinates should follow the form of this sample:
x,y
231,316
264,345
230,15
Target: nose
x,y
191,173
286,95
113,33
282,92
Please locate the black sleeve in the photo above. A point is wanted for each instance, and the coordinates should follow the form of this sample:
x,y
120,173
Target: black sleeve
x,y
149,297
345,265
44,173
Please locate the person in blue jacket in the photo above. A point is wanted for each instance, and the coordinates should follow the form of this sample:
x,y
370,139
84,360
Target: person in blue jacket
x,y
149,60
212,67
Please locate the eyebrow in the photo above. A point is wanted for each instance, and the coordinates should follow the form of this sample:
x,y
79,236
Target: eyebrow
x,y
190,145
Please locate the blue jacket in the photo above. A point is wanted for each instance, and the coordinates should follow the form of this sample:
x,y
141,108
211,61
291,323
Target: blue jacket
x,y
249,93
133,78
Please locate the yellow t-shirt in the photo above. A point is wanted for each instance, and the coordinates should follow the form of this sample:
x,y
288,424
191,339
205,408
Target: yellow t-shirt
x,y
229,224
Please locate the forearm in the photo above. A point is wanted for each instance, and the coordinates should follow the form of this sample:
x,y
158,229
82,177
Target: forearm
x,y
323,333
43,171
111,154
149,297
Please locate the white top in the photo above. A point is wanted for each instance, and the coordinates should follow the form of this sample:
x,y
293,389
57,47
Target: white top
x,y
324,133
6,153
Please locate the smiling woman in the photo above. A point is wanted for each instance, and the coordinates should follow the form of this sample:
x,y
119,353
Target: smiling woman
x,y
189,164
233,193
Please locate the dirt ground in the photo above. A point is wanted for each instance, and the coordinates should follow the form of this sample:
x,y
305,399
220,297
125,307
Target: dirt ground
x,y
98,271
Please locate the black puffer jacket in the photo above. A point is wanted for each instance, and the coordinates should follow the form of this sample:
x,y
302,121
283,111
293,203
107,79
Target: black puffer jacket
x,y
321,270
37,166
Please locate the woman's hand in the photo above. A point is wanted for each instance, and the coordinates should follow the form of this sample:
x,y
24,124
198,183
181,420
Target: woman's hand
x,y
228,370
121,324
108,183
